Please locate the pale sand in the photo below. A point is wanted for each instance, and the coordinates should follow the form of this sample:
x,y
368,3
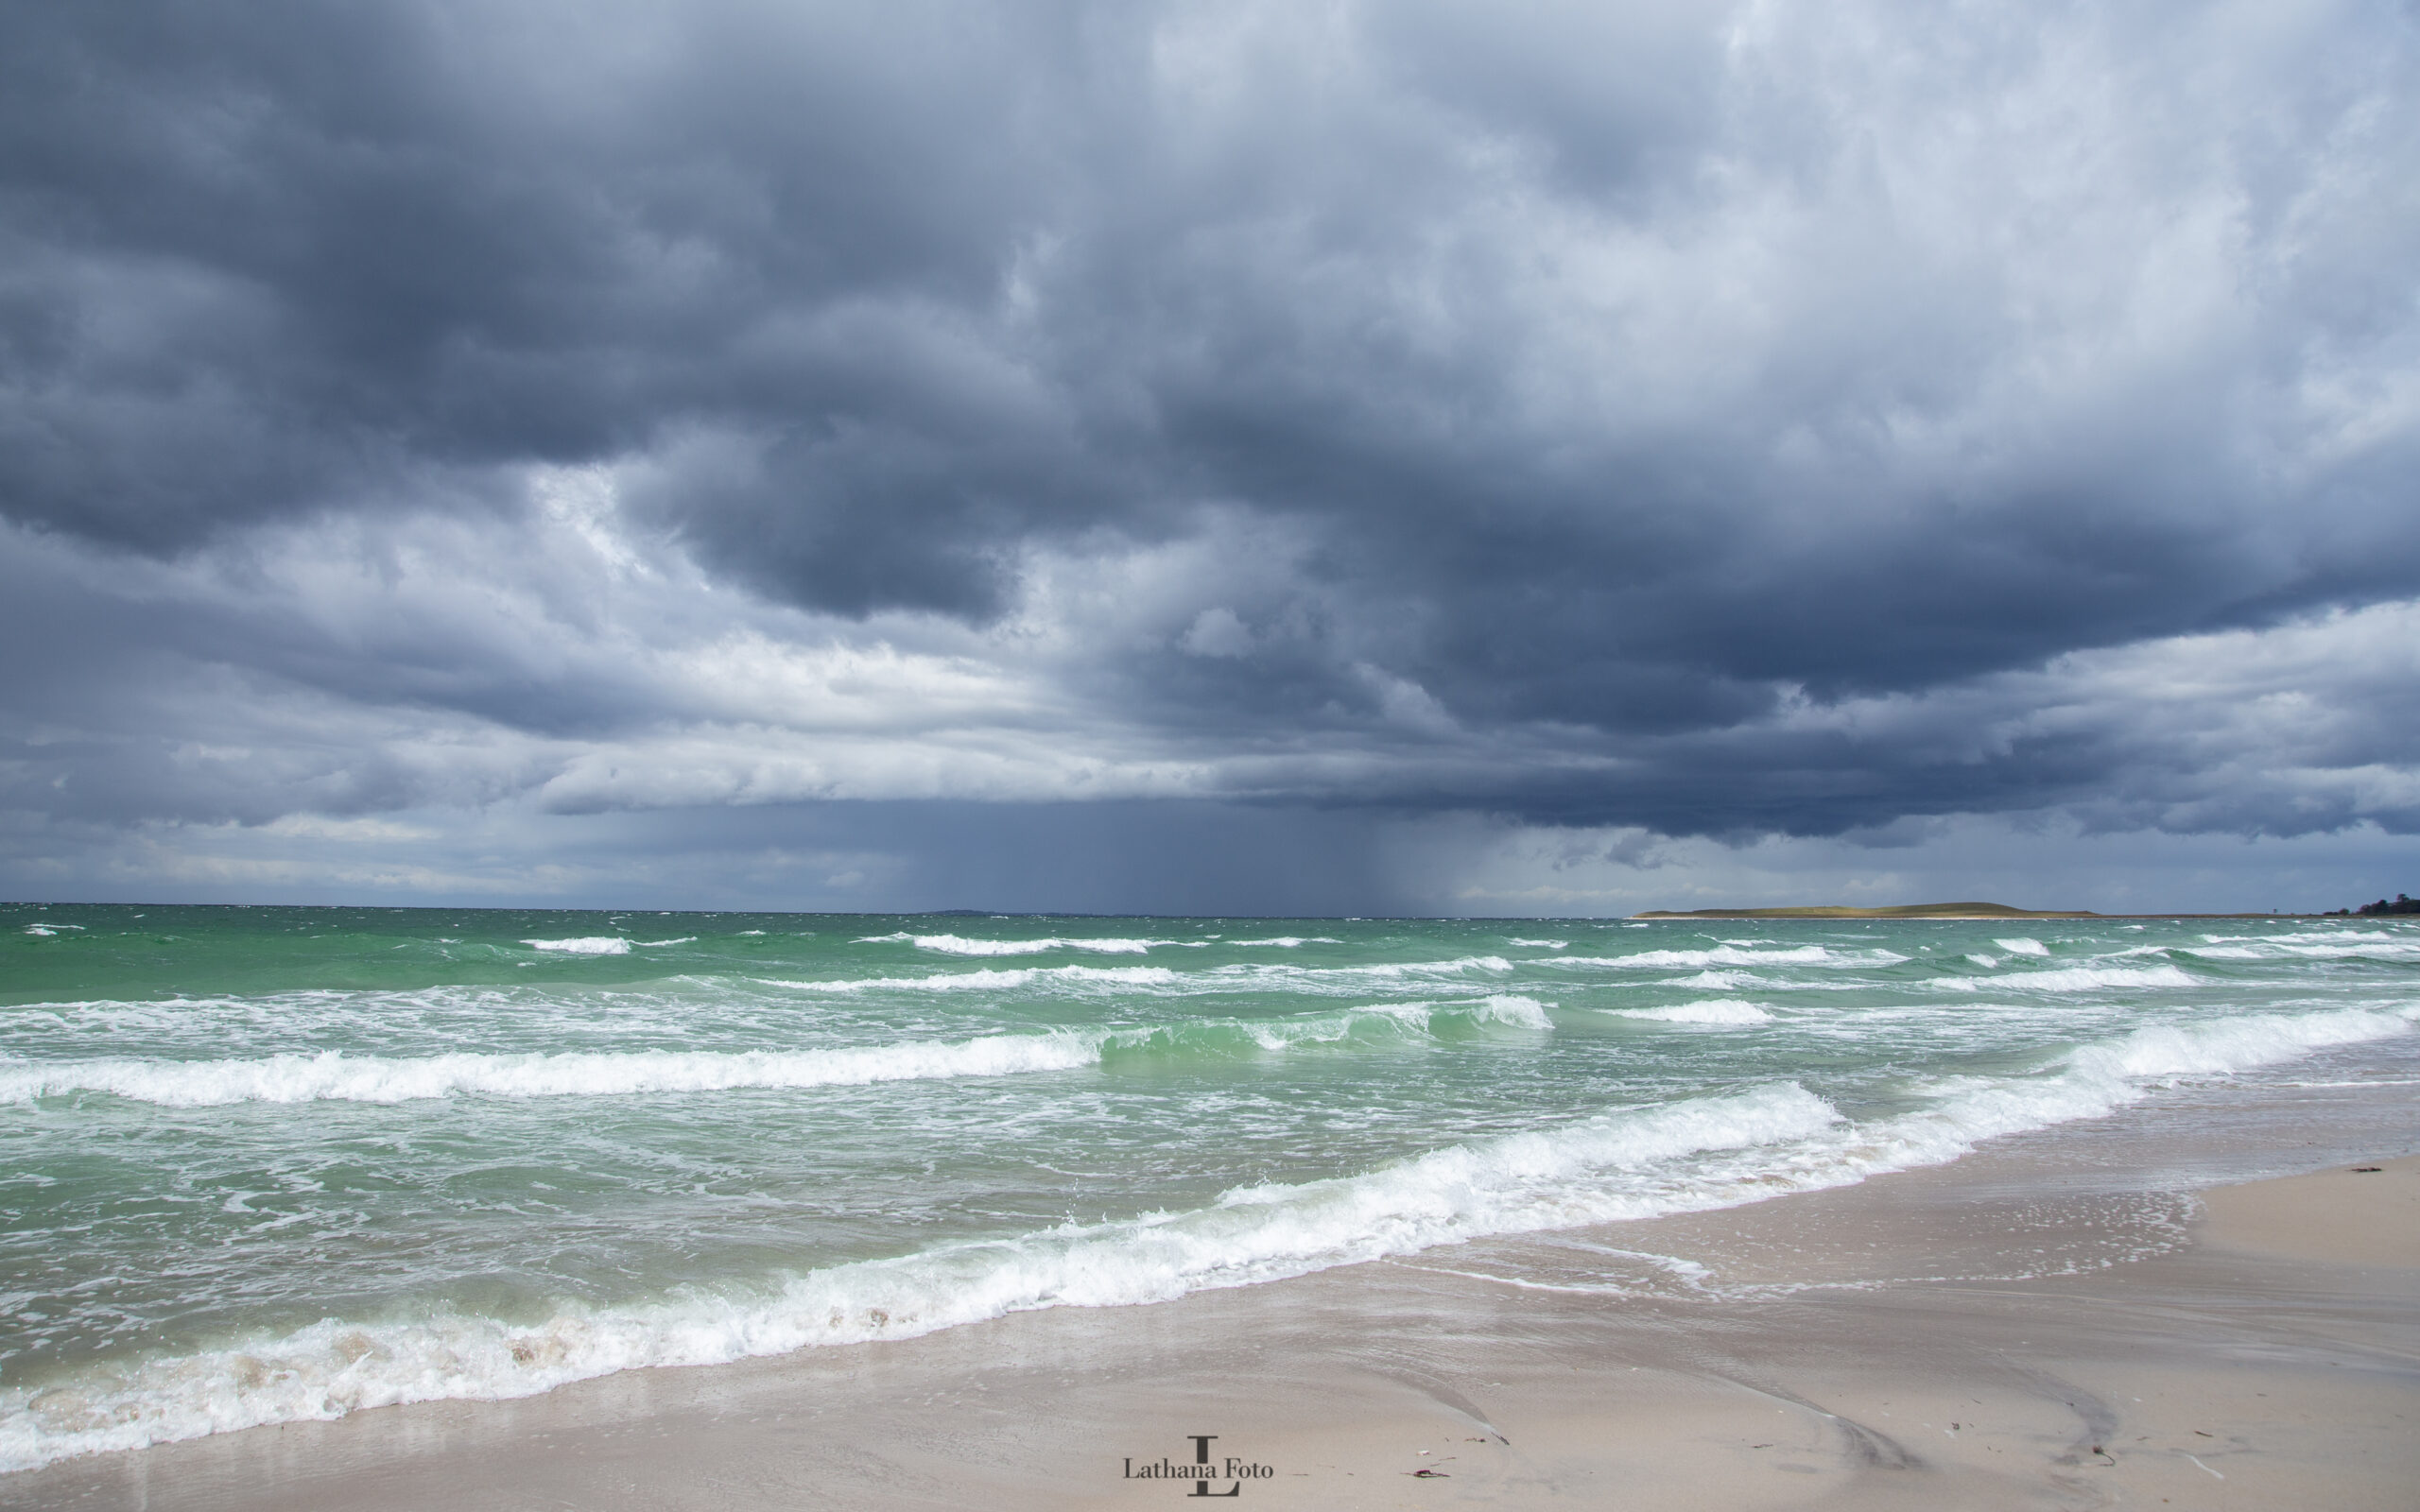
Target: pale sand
x,y
2272,1363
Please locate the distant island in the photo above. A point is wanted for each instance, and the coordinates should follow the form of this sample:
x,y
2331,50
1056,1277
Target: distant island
x,y
1904,911
2400,906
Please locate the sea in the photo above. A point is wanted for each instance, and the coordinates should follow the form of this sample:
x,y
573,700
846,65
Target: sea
x,y
267,1164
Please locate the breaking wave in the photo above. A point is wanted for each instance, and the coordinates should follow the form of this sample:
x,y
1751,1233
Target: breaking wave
x,y
991,980
1713,1010
1250,976
959,945
1734,956
337,1077
590,945
332,1076
1257,1233
1635,1162
2070,979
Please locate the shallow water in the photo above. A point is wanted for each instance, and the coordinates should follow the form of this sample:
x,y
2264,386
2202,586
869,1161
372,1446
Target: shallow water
x,y
267,1164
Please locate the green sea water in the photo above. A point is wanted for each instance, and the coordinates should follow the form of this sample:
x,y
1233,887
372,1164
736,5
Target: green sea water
x,y
261,1164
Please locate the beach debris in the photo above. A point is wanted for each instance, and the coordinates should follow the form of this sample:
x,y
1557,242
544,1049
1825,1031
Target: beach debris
x,y
1428,1472
2367,1170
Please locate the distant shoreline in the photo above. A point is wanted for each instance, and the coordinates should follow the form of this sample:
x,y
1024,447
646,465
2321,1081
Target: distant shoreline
x,y
1970,911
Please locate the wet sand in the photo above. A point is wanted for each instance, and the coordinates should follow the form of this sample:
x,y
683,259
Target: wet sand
x,y
2269,1356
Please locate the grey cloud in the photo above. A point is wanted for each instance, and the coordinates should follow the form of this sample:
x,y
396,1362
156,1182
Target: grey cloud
x,y
437,664
1576,412
278,258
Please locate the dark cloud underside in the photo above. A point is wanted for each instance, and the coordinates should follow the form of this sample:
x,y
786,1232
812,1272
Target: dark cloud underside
x,y
1572,412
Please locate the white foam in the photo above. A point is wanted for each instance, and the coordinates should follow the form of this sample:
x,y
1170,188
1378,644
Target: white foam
x,y
1429,1019
2070,979
2308,949
2372,935
1982,960
1541,944
1547,1178
1718,981
1506,1008
1694,1155
1275,972
1712,1010
1511,1009
652,944
1289,942
1734,955
2023,946
961,945
590,945
337,1077
2095,1079
1247,975
37,929
989,979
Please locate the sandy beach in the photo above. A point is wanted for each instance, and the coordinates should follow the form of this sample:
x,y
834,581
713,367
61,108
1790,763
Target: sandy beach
x,y
777,754
1907,1343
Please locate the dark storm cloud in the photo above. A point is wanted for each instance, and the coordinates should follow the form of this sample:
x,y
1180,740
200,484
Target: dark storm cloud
x,y
290,257
1567,405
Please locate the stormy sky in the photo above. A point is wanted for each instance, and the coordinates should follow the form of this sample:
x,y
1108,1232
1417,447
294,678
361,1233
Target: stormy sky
x,y
1520,457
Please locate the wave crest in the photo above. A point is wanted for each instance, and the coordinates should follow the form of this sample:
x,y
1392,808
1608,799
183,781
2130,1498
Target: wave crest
x,y
961,945
1701,1153
1712,1010
587,945
337,1077
1259,1233
2070,979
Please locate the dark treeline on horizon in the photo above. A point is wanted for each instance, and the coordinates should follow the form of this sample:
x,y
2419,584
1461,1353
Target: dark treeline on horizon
x,y
2401,906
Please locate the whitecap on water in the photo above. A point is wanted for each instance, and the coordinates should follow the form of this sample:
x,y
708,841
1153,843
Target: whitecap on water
x,y
961,945
1690,1155
588,945
2069,979
993,978
1711,1010
332,1077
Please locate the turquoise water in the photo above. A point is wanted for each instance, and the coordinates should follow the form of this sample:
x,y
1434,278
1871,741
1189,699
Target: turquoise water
x,y
259,1165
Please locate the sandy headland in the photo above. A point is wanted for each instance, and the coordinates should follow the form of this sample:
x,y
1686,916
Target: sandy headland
x,y
2032,1327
